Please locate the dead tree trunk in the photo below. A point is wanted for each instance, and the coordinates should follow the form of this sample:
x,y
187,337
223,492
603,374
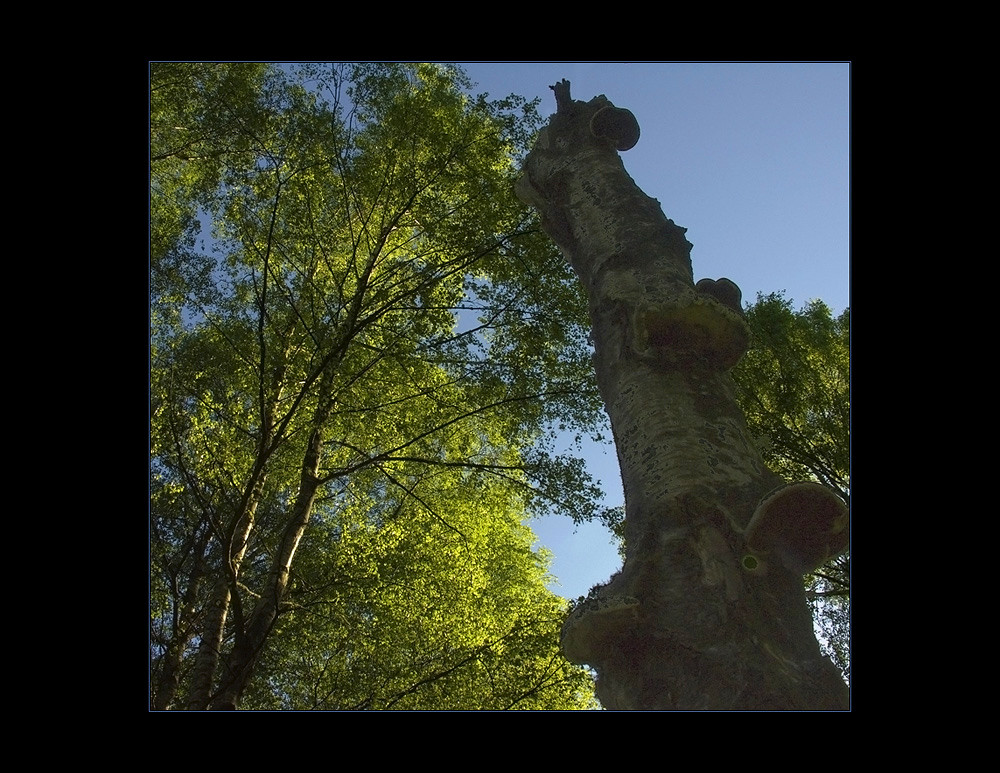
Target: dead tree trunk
x,y
709,610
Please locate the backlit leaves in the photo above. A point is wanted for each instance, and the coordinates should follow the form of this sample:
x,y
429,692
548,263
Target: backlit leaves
x,y
355,323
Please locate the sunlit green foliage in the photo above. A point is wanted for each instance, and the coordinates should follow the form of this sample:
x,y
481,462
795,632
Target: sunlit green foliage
x,y
420,604
361,344
794,387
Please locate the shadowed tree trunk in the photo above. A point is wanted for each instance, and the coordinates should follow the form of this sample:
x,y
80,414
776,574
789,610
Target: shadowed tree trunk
x,y
709,610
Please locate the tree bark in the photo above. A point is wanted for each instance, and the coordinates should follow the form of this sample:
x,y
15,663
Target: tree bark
x,y
709,610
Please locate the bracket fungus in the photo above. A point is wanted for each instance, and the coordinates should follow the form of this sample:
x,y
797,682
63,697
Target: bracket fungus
x,y
617,125
698,325
800,526
725,291
593,627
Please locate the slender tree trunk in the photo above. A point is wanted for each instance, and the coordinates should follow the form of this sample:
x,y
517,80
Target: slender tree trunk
x,y
234,546
251,638
169,680
250,641
709,610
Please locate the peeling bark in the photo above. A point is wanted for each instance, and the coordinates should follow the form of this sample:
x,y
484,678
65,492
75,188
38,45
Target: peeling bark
x,y
697,618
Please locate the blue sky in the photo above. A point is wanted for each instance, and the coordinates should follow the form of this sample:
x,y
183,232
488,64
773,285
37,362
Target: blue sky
x,y
753,159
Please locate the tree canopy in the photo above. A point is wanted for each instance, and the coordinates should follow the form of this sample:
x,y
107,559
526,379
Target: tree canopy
x,y
794,388
361,346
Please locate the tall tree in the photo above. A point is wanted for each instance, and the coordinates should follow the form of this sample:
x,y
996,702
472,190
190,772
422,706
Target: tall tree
x,y
709,610
351,388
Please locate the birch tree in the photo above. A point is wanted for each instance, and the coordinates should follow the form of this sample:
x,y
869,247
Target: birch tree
x,y
709,610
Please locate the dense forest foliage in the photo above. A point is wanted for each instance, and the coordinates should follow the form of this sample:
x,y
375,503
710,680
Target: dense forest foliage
x,y
361,346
